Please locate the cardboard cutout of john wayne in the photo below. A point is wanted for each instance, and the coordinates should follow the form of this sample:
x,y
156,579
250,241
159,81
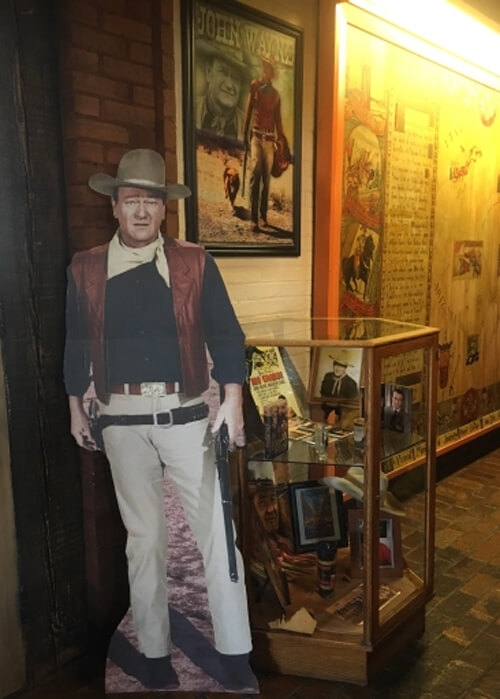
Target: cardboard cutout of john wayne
x,y
141,313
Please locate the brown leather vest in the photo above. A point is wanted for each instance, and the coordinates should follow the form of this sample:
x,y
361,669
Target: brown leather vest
x,y
186,263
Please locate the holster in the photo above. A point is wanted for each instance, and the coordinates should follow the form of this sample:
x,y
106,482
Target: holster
x,y
95,425
96,432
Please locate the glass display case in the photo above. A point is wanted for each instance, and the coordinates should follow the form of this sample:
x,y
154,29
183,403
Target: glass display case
x,y
339,562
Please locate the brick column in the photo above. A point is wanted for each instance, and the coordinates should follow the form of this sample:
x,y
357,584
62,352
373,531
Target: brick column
x,y
117,87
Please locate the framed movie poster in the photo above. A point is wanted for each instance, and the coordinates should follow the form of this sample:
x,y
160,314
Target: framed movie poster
x,y
242,117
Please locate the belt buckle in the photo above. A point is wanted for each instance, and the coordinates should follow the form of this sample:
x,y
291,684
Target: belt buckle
x,y
163,425
153,389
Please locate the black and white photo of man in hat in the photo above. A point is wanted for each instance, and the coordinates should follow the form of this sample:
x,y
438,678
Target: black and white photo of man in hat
x,y
337,383
218,108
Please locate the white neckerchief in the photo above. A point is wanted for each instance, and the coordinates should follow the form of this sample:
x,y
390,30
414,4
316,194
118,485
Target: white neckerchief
x,y
122,258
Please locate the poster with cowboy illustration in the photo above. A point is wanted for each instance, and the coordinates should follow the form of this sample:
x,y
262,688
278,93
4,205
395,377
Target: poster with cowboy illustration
x,y
242,106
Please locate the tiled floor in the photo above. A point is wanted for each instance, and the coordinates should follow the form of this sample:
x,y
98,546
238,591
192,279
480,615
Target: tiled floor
x,y
459,654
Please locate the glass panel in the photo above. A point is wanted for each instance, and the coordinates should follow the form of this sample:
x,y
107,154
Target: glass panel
x,y
316,330
298,548
301,528
401,552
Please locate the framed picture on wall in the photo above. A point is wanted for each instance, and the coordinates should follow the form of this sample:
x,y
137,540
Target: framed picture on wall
x,y
242,106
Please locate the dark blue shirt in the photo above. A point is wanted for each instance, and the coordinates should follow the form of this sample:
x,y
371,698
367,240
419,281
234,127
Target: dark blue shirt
x,y
140,342
140,332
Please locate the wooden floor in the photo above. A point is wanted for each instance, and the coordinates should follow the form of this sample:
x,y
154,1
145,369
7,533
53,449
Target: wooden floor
x,y
459,654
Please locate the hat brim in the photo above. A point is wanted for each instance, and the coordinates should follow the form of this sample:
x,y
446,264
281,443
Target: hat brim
x,y
207,49
391,504
345,486
105,184
354,487
340,361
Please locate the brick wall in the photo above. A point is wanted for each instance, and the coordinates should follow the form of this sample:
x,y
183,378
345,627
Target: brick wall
x,y
117,93
118,72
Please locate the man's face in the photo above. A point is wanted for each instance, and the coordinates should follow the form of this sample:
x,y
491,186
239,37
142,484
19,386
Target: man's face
x,y
397,401
339,370
267,72
139,213
266,505
224,84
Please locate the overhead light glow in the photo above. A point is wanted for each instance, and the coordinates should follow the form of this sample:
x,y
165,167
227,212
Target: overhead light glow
x,y
444,25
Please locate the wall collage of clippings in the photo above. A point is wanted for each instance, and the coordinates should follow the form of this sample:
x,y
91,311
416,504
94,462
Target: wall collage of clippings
x,y
421,215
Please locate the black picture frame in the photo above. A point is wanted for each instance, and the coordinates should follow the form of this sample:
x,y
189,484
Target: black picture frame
x,y
401,423
238,37
317,515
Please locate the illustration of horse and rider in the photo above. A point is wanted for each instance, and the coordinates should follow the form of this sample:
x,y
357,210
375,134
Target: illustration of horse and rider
x,y
357,266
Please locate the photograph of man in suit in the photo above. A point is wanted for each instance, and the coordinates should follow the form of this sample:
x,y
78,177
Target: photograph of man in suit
x,y
338,383
141,311
395,417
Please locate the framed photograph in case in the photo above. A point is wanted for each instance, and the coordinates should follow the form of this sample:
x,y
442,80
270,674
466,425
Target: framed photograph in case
x,y
390,551
336,375
317,515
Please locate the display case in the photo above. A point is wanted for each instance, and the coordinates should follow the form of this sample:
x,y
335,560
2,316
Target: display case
x,y
339,564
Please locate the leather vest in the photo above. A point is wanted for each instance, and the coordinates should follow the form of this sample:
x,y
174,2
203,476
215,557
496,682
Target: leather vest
x,y
186,263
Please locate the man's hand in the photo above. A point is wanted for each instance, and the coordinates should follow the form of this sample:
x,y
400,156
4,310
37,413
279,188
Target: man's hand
x,y
231,412
80,428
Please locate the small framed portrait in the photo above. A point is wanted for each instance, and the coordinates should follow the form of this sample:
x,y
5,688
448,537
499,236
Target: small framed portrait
x,y
390,551
317,515
396,415
335,375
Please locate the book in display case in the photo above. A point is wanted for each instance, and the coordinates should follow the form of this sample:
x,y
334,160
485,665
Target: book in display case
x,y
360,403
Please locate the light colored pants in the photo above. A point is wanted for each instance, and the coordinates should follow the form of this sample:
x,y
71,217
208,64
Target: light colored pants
x,y
136,455
261,159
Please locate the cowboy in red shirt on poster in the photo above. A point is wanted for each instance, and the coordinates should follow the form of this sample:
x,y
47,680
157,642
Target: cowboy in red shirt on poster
x,y
264,112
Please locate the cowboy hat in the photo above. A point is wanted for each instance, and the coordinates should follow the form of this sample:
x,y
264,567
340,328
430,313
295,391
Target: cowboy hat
x,y
233,56
353,484
342,357
143,168
269,60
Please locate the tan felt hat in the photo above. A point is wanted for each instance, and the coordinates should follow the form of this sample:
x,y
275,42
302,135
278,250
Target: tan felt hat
x,y
353,484
143,168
